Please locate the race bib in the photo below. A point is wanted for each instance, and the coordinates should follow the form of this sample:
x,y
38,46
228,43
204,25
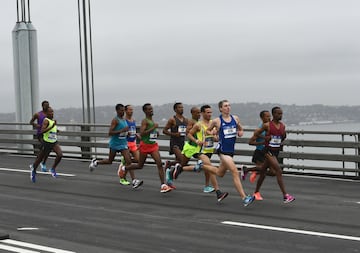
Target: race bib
x,y
182,130
208,145
275,141
132,132
153,136
52,136
229,132
123,135
209,142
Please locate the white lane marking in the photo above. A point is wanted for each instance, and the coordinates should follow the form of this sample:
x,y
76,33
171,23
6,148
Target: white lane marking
x,y
290,230
15,249
37,172
26,229
35,246
323,178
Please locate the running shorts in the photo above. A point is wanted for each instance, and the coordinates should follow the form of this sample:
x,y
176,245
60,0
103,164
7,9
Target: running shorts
x,y
146,148
132,146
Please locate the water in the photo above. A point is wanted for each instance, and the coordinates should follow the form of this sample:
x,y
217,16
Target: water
x,y
343,127
336,127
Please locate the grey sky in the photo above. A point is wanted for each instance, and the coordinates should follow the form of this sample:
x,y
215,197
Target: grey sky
x,y
161,51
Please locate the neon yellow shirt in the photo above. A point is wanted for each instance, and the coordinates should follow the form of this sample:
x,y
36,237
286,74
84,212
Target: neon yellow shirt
x,y
51,135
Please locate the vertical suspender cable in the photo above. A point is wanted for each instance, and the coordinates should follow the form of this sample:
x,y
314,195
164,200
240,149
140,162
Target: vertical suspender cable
x,y
29,20
92,69
81,64
86,62
17,11
91,64
22,10
86,69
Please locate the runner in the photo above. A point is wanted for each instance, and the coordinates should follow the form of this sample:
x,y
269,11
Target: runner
x,y
274,139
49,143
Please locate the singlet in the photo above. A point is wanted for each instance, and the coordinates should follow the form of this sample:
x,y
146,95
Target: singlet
x,y
261,139
180,127
276,136
51,135
151,137
119,140
227,135
40,120
208,140
132,131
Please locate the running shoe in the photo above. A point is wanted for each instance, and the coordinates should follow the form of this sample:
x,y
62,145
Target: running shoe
x,y
288,198
169,178
176,170
43,167
198,166
208,189
248,200
243,171
32,173
93,164
121,172
169,175
136,183
221,196
257,196
171,185
53,173
165,188
252,177
123,181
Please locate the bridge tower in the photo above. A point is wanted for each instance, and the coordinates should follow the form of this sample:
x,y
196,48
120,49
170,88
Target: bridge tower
x,y
26,70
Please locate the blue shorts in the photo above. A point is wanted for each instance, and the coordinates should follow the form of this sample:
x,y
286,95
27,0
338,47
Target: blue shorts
x,y
118,148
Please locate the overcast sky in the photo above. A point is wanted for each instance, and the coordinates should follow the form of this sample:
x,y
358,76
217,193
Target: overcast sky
x,y
194,51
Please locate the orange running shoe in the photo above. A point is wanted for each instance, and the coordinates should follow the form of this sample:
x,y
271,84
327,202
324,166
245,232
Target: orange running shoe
x,y
252,177
257,196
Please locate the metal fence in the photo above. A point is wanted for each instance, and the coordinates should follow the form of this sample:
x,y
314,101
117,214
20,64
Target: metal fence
x,y
305,152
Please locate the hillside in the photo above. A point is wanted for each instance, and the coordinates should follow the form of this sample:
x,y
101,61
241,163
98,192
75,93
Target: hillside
x,y
248,113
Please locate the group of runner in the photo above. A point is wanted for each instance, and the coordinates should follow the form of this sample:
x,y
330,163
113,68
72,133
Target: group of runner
x,y
193,138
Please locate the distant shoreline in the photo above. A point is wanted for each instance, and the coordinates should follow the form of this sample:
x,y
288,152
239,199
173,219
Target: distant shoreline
x,y
295,116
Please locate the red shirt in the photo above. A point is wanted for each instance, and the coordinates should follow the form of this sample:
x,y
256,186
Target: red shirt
x,y
277,135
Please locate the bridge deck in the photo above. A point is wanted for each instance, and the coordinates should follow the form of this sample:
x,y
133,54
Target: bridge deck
x,y
91,212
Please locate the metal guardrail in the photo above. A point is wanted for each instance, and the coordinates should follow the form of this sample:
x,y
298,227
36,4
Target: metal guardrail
x,y
314,152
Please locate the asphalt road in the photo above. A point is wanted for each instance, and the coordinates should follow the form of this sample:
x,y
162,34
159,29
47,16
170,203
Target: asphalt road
x,y
84,211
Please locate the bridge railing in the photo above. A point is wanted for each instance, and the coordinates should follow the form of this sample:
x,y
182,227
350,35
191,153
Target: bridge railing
x,y
306,152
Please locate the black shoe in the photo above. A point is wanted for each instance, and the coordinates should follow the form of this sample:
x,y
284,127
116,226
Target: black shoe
x,y
177,170
243,171
221,196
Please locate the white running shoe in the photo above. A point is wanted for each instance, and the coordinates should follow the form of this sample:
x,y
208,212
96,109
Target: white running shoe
x,y
93,164
136,183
